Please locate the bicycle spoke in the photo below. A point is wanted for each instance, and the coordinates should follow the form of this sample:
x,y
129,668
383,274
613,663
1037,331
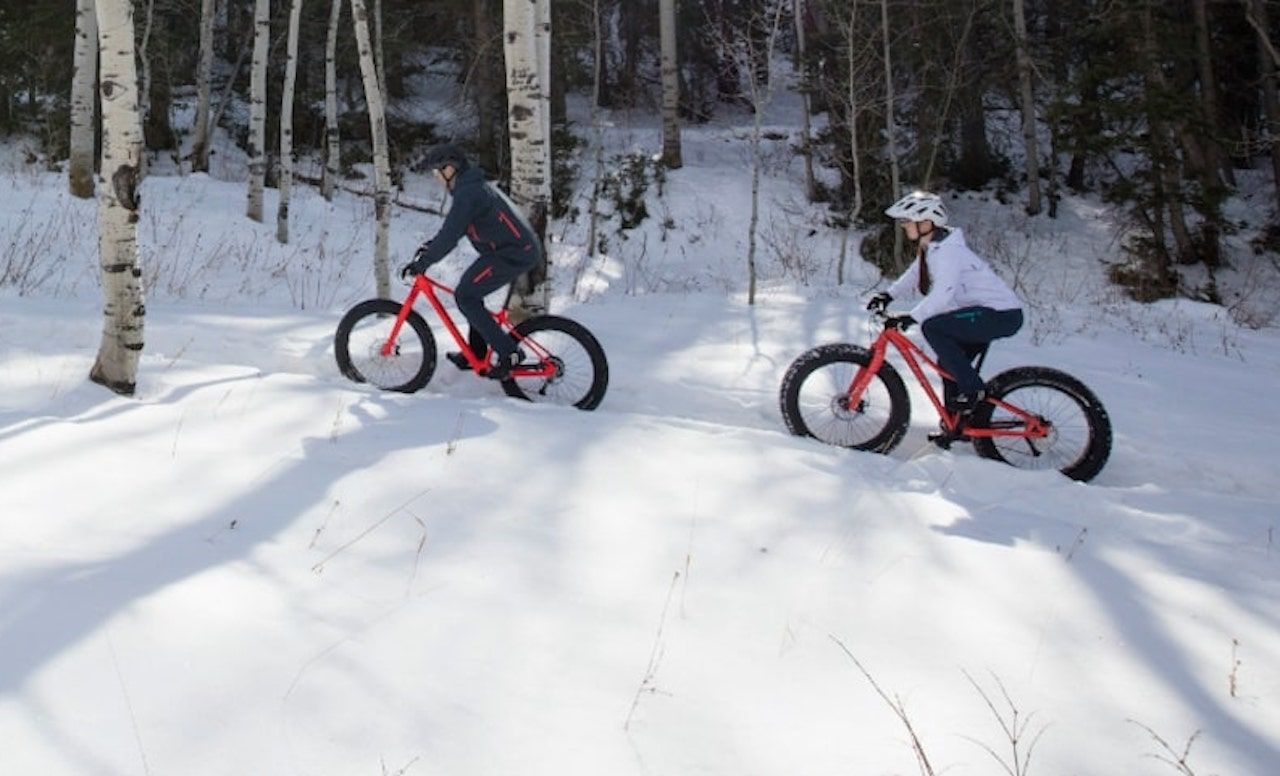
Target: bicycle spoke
x,y
365,344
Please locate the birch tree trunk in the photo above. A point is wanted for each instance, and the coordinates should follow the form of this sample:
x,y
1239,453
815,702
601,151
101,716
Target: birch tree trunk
x,y
378,131
671,152
116,366
891,146
204,75
529,122
286,123
258,108
379,56
83,112
800,12
333,155
1028,108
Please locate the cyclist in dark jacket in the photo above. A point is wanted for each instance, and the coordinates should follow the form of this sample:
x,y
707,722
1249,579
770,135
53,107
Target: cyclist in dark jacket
x,y
507,245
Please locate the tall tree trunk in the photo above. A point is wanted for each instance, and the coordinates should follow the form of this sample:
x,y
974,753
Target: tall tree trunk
x,y
258,108
333,152
204,75
286,123
1217,158
1163,148
891,147
1270,97
597,133
528,117
487,90
1028,108
83,110
855,208
381,165
758,48
116,365
379,55
671,151
800,12
144,58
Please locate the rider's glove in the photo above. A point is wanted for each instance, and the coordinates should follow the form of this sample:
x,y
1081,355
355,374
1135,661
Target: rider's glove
x,y
880,302
419,263
899,322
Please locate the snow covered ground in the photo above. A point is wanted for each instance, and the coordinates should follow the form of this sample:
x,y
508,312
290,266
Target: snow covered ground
x,y
256,566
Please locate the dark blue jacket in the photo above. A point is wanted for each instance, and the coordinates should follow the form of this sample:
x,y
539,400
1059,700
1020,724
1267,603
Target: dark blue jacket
x,y
491,221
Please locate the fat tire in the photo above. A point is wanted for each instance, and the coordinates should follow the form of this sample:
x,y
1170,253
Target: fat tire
x,y
594,393
812,361
1097,448
384,308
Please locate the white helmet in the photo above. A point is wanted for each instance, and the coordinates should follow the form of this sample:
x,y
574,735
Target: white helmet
x,y
919,206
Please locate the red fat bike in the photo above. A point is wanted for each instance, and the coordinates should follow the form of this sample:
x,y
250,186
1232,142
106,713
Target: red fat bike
x,y
389,345
1034,417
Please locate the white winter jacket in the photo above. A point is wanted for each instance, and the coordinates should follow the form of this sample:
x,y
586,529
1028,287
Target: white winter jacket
x,y
958,278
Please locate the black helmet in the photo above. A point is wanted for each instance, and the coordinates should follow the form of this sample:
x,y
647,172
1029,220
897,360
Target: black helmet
x,y
440,156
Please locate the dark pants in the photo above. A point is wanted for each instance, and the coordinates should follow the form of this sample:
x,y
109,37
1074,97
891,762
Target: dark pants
x,y
959,336
486,275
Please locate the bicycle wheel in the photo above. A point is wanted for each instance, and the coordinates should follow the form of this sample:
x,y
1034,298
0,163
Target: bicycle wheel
x,y
815,400
361,334
1079,439
581,370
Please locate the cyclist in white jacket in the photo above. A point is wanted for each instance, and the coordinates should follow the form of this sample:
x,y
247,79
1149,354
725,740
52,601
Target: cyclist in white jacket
x,y
964,305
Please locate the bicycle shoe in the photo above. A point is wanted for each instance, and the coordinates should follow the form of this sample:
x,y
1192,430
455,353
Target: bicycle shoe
x,y
457,359
968,402
502,366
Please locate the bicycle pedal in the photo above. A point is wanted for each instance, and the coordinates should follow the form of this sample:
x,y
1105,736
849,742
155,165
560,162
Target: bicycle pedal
x,y
943,439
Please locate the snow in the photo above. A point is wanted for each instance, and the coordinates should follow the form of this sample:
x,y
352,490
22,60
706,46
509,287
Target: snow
x,y
256,566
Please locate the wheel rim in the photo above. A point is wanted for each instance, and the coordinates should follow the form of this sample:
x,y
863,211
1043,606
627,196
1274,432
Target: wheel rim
x,y
574,372
1069,437
365,347
824,406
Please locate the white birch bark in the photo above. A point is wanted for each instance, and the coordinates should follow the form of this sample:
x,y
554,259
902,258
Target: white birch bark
x,y
83,112
379,56
258,108
204,77
1028,108
116,366
286,123
333,153
378,130
671,150
529,123
806,88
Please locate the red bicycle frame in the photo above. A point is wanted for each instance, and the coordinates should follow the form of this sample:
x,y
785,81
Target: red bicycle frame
x,y
428,287
1022,425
